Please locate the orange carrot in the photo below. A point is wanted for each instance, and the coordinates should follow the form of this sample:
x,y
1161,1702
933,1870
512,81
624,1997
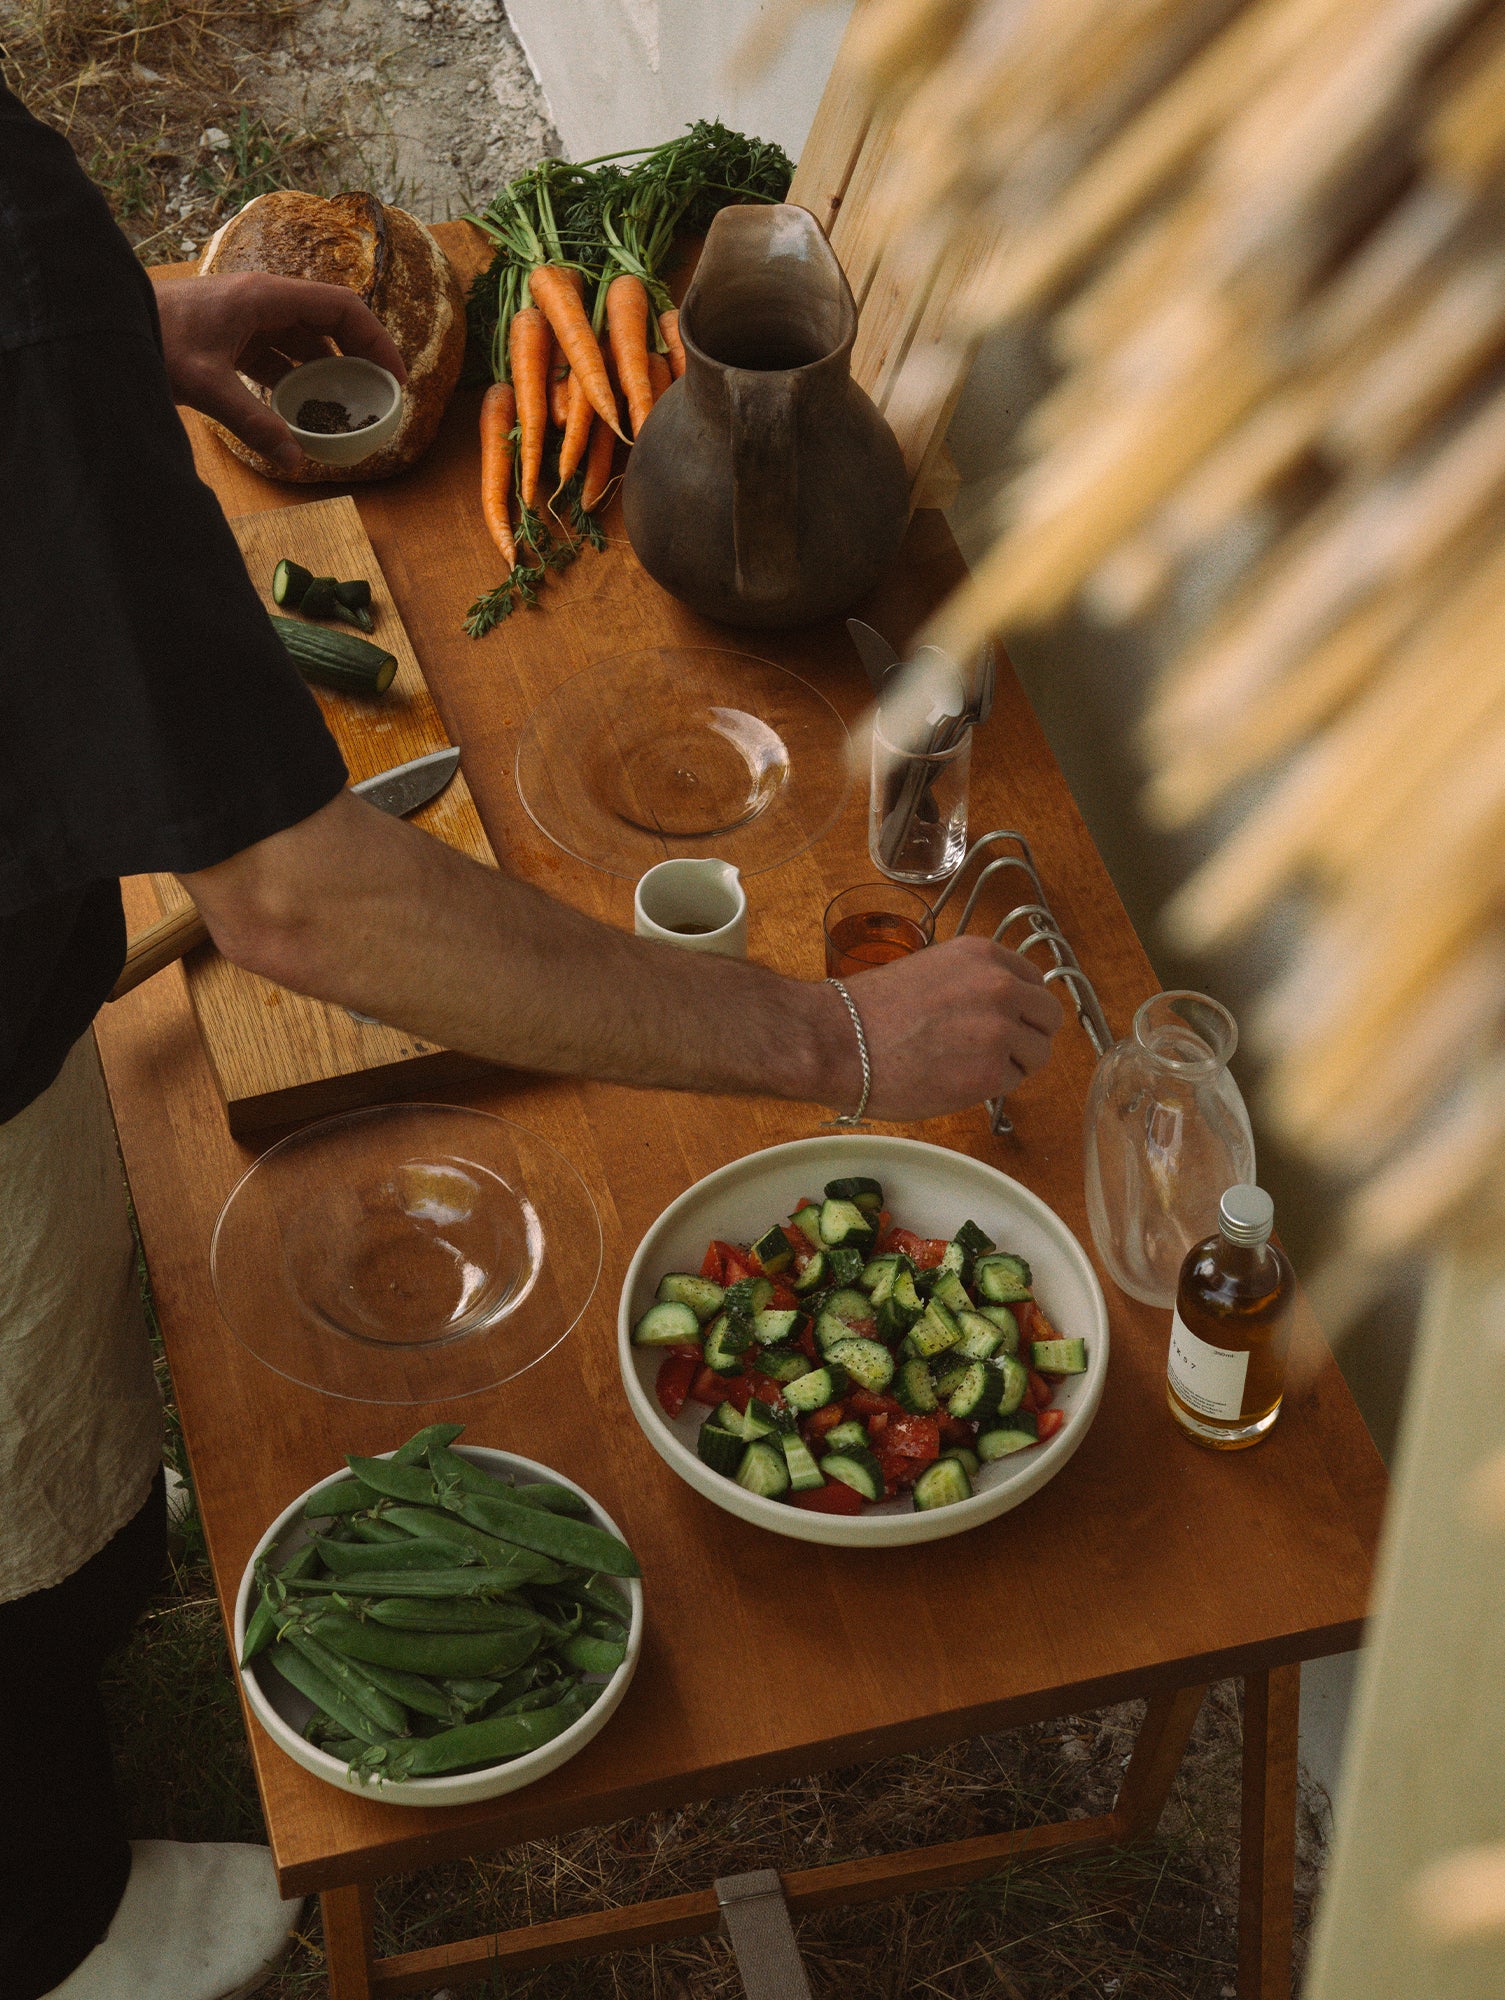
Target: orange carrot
x,y
660,374
564,309
576,431
627,327
668,326
559,387
498,415
597,467
528,357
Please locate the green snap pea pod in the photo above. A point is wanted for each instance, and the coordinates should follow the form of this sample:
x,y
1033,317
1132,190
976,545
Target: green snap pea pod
x,y
469,1697
346,1748
451,1470
453,1614
356,1558
596,1591
443,1655
421,1443
526,1704
348,1496
301,1673
371,1528
535,1673
389,1715
411,1483
489,1742
433,1521
597,1625
550,1534
479,1582
261,1626
592,1656
414,1691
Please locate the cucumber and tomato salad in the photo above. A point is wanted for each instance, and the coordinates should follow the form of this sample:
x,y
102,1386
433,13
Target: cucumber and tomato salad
x,y
847,1360
441,1619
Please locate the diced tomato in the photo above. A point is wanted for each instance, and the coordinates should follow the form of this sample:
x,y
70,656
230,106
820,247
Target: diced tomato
x,y
709,1387
826,1419
913,1437
738,1390
885,1222
804,1340
676,1372
865,1404
767,1391
1033,1325
864,1329
736,1262
710,1264
1050,1422
905,1241
783,1299
877,1424
956,1430
1041,1390
899,1471
832,1498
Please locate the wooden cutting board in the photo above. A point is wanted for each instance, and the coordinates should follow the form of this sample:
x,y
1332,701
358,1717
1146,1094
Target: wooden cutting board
x,y
277,1057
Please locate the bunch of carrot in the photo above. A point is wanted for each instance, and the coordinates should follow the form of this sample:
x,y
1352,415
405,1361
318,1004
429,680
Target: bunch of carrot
x,y
581,334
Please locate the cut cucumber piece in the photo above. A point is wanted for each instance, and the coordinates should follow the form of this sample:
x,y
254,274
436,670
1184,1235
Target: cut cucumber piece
x,y
727,1339
764,1471
856,1468
845,1222
1007,1434
719,1449
758,1421
846,1264
782,1364
842,1437
915,1389
941,1484
1006,1324
978,1393
727,1417
849,1304
980,1338
816,1275
289,581
804,1474
1065,1356
669,1325
1015,1381
949,1374
806,1219
951,1292
1003,1279
880,1272
974,1241
813,1390
860,1188
868,1362
936,1332
771,1329
703,1296
774,1251
749,1296
967,1460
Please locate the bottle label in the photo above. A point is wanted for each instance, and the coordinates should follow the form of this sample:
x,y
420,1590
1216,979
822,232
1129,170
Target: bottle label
x,y
1208,1379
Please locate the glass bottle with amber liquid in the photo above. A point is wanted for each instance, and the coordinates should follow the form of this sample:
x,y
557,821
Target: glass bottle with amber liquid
x,y
1232,1327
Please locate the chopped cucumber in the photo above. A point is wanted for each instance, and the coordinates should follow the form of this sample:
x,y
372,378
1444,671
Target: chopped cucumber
x,y
980,1338
749,1296
669,1325
849,1304
941,1484
842,1437
764,1471
1007,1434
979,1392
976,1242
867,1193
856,1468
720,1449
950,1292
1003,1279
915,1389
771,1328
781,1364
868,1362
846,1264
967,1460
806,1219
936,1332
816,1275
703,1296
758,1421
881,1271
774,1251
727,1417
1060,1357
727,1339
804,1474
845,1222
949,1375
812,1391
1015,1381
1006,1324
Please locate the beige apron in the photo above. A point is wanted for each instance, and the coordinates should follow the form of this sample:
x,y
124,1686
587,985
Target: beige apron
x,y
80,1416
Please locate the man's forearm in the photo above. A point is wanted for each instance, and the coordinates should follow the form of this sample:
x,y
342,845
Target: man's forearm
x,y
366,912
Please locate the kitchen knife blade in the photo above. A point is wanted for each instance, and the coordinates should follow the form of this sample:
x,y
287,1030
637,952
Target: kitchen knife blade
x,y
397,792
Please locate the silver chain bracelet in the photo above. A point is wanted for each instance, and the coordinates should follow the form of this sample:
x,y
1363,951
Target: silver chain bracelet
x,y
855,1117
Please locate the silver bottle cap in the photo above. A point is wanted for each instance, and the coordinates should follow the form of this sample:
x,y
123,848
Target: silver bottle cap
x,y
1246,1214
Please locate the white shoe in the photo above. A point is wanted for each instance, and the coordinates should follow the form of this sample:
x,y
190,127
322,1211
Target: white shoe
x,y
198,1921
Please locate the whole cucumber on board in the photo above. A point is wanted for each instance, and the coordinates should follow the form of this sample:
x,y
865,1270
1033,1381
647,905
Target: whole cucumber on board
x,y
408,1623
336,659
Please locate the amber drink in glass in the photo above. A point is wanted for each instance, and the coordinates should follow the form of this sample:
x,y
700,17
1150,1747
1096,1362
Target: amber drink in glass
x,y
874,924
1232,1327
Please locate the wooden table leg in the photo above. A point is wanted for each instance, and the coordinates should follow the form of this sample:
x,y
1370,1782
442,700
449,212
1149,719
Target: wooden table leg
x,y
1267,1861
1158,1750
349,1920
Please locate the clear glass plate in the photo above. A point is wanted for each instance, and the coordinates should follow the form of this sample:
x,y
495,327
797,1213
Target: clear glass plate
x,y
407,1253
683,751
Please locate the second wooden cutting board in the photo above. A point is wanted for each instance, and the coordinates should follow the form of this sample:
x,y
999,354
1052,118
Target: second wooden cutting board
x,y
278,1057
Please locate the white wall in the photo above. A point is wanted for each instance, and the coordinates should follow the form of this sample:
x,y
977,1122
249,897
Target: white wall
x,y
623,73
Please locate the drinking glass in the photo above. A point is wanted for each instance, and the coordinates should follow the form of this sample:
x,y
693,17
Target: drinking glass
x,y
873,924
917,815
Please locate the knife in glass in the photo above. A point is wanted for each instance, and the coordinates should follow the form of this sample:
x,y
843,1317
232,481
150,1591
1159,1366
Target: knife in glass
x,y
398,792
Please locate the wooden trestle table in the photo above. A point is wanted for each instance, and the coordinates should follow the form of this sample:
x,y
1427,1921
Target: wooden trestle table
x,y
1147,1568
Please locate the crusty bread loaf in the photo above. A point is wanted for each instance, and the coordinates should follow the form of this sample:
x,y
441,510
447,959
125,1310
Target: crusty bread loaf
x,y
395,265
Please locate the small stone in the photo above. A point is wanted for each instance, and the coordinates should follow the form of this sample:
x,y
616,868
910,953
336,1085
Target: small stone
x,y
472,85
144,75
438,62
216,140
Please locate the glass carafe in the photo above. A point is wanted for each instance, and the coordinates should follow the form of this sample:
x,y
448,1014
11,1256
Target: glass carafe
x,y
1167,1133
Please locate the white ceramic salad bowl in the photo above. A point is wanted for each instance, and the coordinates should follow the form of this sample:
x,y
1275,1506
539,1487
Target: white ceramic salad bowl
x,y
282,1711
929,1190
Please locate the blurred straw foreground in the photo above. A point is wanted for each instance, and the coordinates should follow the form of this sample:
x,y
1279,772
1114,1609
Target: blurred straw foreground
x,y
1264,244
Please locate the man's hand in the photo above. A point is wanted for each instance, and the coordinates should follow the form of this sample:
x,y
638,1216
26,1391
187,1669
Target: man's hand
x,y
216,329
950,1026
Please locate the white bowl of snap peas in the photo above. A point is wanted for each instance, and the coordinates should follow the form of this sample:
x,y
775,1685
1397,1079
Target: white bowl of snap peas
x,y
553,1638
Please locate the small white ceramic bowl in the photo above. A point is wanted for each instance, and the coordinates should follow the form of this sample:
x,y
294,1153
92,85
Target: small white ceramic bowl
x,y
282,1711
929,1190
366,391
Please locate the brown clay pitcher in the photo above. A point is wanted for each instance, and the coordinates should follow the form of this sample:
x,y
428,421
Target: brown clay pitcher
x,y
765,488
